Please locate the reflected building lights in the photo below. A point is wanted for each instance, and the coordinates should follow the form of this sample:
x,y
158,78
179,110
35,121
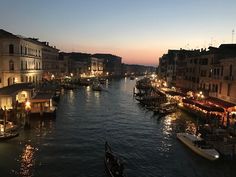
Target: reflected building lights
x,y
27,161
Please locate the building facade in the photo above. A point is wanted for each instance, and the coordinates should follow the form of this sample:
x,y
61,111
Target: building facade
x,y
50,58
112,64
212,71
20,60
95,66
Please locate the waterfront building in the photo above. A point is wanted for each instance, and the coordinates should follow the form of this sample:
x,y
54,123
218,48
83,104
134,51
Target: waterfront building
x,y
95,66
50,58
112,64
75,64
173,67
50,62
17,93
20,60
82,64
211,71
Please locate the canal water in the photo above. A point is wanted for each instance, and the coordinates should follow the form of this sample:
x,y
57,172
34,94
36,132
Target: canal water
x,y
73,144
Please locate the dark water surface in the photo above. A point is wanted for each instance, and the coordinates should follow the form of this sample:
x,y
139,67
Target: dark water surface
x,y
73,145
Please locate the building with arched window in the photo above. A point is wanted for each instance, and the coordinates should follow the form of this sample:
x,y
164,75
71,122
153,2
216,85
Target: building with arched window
x,y
20,58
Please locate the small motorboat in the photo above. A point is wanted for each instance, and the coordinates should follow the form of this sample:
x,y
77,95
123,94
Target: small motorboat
x,y
8,135
132,77
9,126
167,108
96,86
198,145
113,165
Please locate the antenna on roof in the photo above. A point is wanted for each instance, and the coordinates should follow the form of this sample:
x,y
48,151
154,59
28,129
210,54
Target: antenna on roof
x,y
232,36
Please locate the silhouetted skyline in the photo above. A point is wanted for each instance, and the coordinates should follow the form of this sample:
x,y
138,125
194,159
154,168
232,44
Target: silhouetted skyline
x,y
138,30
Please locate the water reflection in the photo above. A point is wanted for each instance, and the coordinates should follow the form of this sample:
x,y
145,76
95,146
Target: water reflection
x,y
27,161
43,128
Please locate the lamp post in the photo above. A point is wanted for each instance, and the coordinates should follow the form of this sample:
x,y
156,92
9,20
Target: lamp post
x,y
27,110
200,95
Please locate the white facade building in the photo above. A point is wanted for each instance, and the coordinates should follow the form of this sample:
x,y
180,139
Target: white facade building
x,y
20,60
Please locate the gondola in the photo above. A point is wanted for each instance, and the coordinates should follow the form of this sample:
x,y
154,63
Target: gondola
x,y
114,167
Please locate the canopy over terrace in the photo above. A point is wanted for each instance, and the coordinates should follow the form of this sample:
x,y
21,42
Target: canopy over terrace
x,y
204,105
12,94
42,102
223,104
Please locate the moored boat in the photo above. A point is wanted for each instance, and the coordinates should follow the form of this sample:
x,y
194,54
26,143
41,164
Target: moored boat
x,y
132,77
96,86
8,135
113,165
167,108
9,126
198,145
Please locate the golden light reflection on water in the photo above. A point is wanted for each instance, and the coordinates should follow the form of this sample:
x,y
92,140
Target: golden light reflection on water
x,y
173,123
97,95
168,123
178,122
27,161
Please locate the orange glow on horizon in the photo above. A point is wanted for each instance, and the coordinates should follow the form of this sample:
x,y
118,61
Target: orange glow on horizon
x,y
129,56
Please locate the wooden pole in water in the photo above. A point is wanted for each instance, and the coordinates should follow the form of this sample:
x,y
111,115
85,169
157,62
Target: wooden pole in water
x,y
5,119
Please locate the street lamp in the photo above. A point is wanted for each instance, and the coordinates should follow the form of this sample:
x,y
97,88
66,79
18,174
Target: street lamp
x,y
27,106
200,95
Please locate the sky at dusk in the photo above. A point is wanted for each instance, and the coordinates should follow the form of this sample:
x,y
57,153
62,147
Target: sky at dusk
x,y
140,31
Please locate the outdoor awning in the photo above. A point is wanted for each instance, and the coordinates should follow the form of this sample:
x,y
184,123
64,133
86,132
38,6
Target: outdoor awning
x,y
42,97
220,103
204,105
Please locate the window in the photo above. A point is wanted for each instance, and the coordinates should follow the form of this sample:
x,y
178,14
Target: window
x,y
11,65
22,79
22,65
11,48
220,88
216,88
218,71
25,50
21,49
230,70
222,70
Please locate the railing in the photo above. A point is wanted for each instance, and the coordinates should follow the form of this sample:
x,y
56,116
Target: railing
x,y
21,70
20,55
